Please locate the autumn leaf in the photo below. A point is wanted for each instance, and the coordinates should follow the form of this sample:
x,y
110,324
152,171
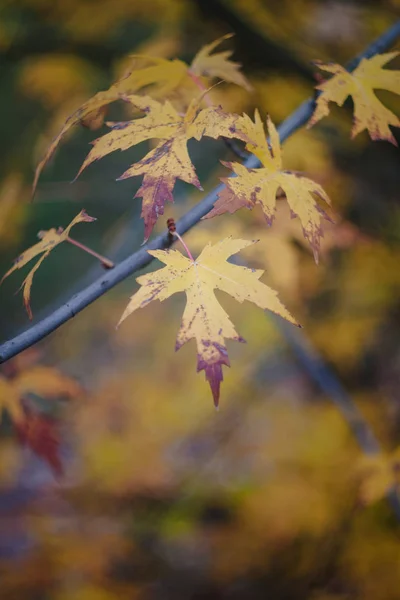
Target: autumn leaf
x,y
49,240
369,112
218,65
263,185
160,77
169,160
204,319
35,429
40,433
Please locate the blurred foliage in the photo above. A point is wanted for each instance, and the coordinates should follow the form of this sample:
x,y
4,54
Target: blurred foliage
x,y
162,498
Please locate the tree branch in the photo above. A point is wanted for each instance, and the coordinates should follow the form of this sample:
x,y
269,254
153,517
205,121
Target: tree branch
x,y
140,259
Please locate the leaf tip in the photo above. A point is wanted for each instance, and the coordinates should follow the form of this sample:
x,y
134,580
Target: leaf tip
x,y
28,310
87,218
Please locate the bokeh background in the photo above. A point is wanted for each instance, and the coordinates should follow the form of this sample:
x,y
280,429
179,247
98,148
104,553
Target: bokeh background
x,y
137,488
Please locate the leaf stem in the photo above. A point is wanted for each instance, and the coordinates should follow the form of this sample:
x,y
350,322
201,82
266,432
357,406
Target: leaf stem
x,y
197,81
106,263
176,234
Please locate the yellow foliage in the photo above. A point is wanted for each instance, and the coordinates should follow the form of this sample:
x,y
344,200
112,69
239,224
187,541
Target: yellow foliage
x,y
369,112
49,240
161,78
170,159
206,64
203,318
261,186
275,251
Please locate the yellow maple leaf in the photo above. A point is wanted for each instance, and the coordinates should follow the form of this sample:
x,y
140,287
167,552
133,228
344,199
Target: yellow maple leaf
x,y
159,76
218,65
263,185
204,319
49,240
169,160
369,112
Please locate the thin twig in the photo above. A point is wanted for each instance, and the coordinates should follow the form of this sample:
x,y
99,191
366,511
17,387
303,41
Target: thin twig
x,y
141,258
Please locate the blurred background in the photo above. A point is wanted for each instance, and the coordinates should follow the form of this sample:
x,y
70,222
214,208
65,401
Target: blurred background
x,y
126,483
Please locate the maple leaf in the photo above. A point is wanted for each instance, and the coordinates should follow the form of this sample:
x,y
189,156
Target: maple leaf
x,y
369,112
204,319
35,429
49,240
41,435
169,160
263,185
159,76
218,65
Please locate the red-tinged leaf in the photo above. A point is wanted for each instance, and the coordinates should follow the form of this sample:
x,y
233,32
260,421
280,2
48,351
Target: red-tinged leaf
x,y
264,185
204,319
159,77
170,159
41,435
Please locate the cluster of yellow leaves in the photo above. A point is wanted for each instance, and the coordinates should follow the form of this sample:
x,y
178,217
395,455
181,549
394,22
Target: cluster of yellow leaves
x,y
161,78
170,159
175,81
49,240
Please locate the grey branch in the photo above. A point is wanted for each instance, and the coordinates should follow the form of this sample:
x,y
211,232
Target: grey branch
x,y
140,259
